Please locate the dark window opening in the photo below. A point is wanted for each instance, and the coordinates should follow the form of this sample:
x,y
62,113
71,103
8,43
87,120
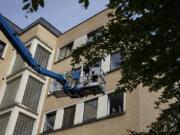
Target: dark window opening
x,y
116,101
2,47
115,60
65,51
90,110
94,33
49,122
69,114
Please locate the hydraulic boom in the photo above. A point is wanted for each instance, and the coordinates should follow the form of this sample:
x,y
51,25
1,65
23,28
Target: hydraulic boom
x,y
26,55
93,86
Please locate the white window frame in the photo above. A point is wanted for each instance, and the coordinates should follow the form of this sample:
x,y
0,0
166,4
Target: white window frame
x,y
58,118
13,119
14,55
78,118
33,46
60,49
110,68
5,86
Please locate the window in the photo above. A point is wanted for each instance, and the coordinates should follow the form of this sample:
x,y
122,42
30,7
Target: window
x,y
24,125
115,60
65,51
3,123
32,93
90,110
49,122
116,101
69,114
2,47
42,56
18,64
10,92
94,33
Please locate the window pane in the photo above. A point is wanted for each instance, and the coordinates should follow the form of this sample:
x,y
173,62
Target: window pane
x,y
90,110
32,93
115,60
3,123
62,53
42,56
69,114
94,33
10,92
116,103
18,64
2,46
69,49
49,122
24,125
65,51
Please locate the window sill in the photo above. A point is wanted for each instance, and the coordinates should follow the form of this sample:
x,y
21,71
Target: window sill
x,y
22,70
84,123
113,70
56,62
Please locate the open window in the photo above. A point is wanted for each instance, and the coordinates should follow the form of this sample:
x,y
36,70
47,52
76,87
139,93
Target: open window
x,y
68,119
116,103
49,121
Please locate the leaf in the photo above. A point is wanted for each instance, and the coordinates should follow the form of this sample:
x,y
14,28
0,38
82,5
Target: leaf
x,y
25,1
30,10
26,6
41,3
85,3
34,5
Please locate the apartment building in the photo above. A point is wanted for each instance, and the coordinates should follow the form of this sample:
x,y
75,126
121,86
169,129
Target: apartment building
x,y
27,106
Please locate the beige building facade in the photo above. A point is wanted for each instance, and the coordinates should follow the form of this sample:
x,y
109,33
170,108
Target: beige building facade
x,y
27,106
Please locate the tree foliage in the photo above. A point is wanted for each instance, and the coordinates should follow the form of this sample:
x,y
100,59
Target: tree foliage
x,y
147,34
33,5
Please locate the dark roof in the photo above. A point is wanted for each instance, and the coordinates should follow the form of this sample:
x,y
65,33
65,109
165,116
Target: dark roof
x,y
16,28
40,21
46,24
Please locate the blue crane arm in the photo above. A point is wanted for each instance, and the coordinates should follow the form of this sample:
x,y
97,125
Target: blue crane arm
x,y
26,55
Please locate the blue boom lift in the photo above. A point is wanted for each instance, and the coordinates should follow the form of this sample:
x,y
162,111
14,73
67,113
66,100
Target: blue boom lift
x,y
81,90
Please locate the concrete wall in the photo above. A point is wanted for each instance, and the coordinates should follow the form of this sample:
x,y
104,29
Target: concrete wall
x,y
5,62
